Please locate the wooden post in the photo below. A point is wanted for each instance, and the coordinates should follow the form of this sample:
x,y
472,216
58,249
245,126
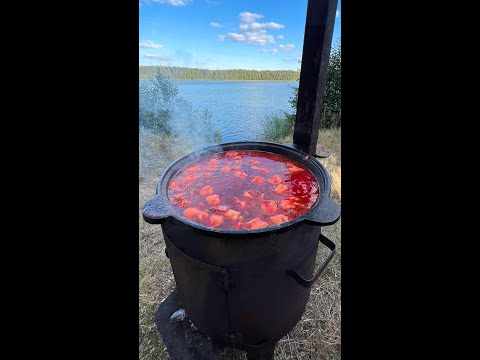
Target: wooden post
x,y
313,74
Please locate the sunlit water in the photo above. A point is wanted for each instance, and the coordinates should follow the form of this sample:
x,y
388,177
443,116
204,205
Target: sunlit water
x,y
239,108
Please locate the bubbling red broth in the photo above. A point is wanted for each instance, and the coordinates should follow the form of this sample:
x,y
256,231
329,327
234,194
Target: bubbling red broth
x,y
243,190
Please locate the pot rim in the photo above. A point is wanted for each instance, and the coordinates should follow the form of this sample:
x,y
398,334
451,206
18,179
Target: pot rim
x,y
180,163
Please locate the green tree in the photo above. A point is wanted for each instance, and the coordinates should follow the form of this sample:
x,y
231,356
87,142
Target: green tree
x,y
332,102
279,127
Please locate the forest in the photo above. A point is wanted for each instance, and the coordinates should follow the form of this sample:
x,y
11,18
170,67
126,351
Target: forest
x,y
185,73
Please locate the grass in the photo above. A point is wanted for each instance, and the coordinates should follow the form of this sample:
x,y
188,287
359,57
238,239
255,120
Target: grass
x,y
316,336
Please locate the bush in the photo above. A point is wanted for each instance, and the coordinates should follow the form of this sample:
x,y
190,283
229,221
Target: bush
x,y
278,127
155,99
163,112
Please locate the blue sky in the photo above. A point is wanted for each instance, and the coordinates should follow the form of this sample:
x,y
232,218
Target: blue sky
x,y
224,34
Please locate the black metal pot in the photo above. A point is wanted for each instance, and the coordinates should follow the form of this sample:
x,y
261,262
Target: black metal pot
x,y
245,288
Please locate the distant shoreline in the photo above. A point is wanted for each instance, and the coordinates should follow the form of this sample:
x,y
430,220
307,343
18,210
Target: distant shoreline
x,y
226,80
196,74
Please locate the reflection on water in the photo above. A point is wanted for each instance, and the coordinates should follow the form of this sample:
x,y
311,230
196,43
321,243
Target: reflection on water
x,y
238,108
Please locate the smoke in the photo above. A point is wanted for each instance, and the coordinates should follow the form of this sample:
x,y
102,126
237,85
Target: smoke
x,y
169,126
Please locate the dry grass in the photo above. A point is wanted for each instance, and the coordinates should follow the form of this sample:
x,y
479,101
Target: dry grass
x,y
318,333
333,167
329,141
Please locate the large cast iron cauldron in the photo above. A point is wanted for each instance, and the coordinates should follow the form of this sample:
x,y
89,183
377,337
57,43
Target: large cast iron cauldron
x,y
245,288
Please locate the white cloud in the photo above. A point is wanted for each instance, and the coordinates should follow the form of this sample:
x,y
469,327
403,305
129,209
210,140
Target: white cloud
x,y
258,37
215,24
337,14
155,57
170,2
247,17
254,26
280,37
232,36
293,58
286,48
148,44
273,51
253,32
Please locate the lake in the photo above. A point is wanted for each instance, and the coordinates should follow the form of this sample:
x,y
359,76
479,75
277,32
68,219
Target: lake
x,y
239,108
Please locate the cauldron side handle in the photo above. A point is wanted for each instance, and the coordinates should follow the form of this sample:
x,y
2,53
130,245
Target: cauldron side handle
x,y
156,210
307,283
327,213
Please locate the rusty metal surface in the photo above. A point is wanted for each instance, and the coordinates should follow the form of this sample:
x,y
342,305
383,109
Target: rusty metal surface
x,y
183,342
237,296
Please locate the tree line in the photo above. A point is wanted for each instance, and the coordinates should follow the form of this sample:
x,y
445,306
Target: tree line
x,y
184,73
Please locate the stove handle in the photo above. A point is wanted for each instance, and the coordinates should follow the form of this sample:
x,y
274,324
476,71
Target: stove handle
x,y
307,283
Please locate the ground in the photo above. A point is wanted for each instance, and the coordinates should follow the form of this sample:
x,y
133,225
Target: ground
x,y
316,336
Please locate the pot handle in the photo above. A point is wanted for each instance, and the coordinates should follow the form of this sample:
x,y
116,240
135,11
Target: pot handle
x,y
156,210
327,213
307,283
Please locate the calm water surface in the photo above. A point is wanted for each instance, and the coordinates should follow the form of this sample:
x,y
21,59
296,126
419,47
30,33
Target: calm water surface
x,y
239,108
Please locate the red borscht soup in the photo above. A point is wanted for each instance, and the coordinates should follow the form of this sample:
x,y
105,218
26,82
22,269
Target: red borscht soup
x,y
243,190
